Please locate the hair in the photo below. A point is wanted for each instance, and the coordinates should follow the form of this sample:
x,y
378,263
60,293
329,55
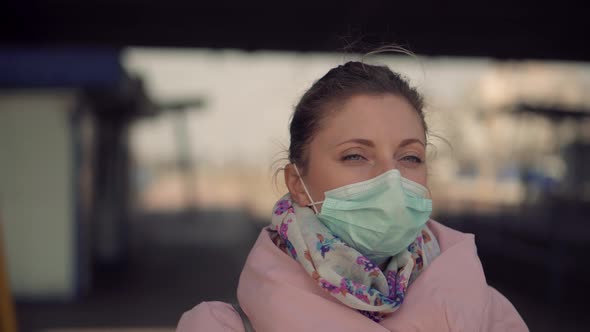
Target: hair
x,y
335,88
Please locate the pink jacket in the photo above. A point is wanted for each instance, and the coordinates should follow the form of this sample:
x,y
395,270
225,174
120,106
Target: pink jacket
x,y
278,295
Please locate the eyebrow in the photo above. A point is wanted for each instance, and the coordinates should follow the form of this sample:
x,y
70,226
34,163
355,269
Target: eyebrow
x,y
369,143
362,141
409,141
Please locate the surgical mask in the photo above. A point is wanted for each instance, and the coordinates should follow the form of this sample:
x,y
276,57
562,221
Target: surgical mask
x,y
379,217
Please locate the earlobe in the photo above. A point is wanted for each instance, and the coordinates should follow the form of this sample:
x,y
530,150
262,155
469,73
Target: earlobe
x,y
295,186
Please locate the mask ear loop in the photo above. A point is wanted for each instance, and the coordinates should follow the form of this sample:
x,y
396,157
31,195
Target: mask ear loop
x,y
306,191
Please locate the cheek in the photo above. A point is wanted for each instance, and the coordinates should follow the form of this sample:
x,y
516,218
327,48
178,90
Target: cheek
x,y
325,175
416,175
321,181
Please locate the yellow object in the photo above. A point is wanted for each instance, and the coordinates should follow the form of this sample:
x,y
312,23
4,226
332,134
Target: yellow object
x,y
7,316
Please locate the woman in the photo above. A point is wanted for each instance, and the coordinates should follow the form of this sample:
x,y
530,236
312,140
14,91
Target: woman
x,y
351,246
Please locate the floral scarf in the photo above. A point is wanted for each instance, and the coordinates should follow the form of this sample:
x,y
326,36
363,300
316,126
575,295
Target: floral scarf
x,y
341,270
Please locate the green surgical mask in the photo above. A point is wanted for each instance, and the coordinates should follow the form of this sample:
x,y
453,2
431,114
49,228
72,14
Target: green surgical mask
x,y
379,217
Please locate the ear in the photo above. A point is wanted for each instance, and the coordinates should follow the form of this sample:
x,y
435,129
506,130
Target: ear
x,y
295,186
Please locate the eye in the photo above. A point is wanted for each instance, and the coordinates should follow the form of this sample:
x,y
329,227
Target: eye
x,y
412,159
353,157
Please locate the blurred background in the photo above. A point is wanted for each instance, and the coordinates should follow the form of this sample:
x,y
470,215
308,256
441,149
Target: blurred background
x,y
139,143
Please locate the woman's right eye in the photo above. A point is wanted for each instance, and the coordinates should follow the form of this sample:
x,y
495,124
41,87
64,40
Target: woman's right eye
x,y
353,156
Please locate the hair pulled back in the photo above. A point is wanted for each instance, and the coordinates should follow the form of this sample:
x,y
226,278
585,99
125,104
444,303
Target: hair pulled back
x,y
335,88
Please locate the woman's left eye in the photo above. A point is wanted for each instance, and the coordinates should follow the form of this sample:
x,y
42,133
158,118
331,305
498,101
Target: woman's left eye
x,y
412,159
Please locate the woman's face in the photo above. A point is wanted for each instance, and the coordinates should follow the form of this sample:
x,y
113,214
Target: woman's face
x,y
367,136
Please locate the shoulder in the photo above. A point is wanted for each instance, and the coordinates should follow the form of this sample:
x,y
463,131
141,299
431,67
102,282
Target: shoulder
x,y
211,316
457,280
500,314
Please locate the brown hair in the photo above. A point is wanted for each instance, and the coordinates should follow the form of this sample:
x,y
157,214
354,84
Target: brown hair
x,y
336,87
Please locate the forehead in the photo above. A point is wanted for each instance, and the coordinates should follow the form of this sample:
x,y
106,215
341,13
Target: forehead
x,y
377,117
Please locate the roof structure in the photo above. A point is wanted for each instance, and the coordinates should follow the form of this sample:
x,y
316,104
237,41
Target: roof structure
x,y
505,30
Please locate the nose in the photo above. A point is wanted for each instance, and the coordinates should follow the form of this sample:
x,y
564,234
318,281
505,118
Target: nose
x,y
384,165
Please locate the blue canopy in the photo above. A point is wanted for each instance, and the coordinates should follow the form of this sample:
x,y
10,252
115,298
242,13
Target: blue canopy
x,y
36,68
